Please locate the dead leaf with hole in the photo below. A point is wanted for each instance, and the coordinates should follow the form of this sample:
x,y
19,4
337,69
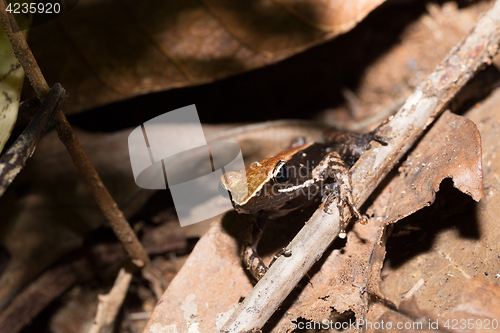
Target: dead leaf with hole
x,y
339,279
452,149
178,43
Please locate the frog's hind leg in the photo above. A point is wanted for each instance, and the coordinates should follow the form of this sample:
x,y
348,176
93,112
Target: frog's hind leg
x,y
352,145
253,262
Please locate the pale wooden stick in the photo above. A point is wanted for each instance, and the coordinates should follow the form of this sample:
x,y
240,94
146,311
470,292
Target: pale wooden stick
x,y
110,304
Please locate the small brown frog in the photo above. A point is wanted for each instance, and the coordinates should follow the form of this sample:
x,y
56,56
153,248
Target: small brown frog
x,y
278,185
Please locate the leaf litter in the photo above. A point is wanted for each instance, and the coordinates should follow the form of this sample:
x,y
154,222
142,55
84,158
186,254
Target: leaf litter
x,y
352,276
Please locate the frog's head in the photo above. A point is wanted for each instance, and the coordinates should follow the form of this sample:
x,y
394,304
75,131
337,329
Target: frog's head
x,y
257,187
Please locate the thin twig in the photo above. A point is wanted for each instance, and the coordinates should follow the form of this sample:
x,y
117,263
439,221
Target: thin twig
x,y
429,100
101,195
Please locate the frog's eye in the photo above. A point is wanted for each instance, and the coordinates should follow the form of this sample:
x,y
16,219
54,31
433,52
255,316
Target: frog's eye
x,y
281,173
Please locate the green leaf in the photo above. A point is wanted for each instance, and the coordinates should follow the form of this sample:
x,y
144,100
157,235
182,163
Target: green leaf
x,y
11,82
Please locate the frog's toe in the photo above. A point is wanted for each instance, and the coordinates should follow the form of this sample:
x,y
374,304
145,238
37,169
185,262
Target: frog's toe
x,y
363,219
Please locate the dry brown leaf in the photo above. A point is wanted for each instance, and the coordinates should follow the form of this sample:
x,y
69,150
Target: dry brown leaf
x,y
393,76
477,311
205,292
479,300
451,149
446,249
104,50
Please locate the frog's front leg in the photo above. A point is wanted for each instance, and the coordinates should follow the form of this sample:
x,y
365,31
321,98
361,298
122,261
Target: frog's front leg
x,y
253,262
332,166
